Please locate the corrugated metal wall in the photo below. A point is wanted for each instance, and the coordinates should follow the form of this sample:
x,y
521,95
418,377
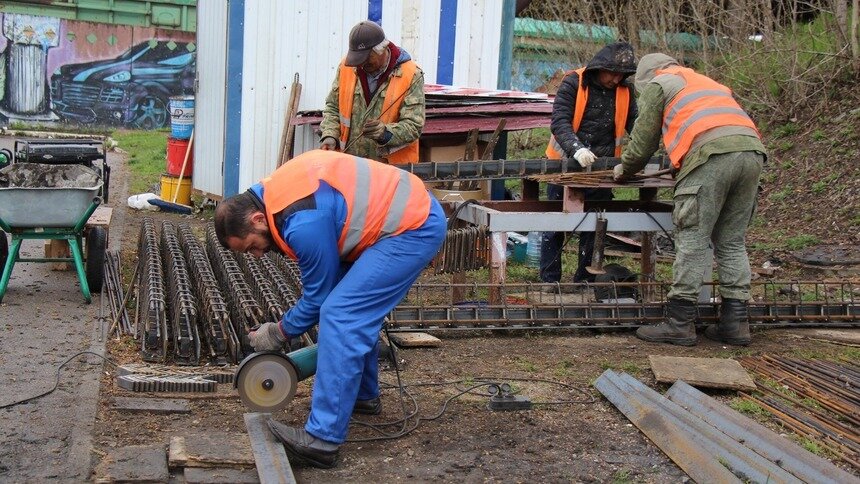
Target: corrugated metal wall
x,y
209,100
310,37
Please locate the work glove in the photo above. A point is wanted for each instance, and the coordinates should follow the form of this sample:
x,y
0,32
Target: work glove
x,y
618,174
585,157
328,143
268,337
374,129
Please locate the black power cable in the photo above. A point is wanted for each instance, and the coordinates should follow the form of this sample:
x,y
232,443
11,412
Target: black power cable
x,y
57,381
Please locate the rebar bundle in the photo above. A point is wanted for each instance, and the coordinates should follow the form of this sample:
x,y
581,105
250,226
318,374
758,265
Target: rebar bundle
x,y
151,314
116,294
181,304
288,268
464,249
220,338
286,289
245,313
262,288
815,398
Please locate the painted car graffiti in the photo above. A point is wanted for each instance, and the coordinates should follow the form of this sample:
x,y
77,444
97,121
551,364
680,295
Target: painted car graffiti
x,y
131,90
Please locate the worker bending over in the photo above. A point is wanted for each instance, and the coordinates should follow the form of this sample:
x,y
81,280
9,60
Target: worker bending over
x,y
718,153
361,232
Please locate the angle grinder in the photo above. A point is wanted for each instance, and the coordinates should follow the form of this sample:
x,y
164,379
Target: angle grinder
x,y
267,380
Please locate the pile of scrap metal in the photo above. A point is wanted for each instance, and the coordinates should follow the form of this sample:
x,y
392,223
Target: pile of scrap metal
x,y
201,304
817,399
710,441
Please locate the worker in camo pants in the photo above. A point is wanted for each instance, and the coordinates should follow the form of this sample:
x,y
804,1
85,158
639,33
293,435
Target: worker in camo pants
x,y
718,154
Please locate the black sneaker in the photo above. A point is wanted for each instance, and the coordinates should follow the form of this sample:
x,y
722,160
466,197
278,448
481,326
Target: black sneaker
x,y
304,447
368,407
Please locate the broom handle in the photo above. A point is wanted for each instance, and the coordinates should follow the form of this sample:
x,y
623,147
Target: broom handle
x,y
184,162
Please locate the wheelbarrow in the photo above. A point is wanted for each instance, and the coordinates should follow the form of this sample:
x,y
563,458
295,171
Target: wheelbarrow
x,y
46,202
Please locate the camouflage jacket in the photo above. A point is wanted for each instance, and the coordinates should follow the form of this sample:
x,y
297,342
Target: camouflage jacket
x,y
407,128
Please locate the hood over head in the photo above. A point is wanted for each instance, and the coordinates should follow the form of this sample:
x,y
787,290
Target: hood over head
x,y
616,57
649,64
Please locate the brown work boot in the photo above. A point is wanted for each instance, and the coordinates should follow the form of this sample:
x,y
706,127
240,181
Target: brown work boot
x,y
678,328
734,325
304,447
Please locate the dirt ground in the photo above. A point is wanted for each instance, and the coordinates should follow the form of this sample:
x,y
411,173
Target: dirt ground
x,y
571,434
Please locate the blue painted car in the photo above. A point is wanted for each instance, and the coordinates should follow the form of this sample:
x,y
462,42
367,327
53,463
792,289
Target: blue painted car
x,y
131,90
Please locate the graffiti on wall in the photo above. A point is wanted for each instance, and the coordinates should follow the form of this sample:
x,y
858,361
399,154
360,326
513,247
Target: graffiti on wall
x,y
56,70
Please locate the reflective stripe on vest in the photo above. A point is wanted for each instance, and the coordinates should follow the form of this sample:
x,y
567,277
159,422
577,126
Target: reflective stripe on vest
x,y
398,85
622,105
701,105
381,200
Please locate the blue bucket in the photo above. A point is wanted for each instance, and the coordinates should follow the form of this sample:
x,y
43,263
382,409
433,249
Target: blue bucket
x,y
181,116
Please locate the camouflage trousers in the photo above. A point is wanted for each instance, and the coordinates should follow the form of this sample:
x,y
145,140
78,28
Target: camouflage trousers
x,y
714,204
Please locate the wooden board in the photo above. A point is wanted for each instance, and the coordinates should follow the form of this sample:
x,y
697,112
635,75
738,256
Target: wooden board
x,y
210,449
269,454
701,372
199,475
101,217
846,336
414,340
151,405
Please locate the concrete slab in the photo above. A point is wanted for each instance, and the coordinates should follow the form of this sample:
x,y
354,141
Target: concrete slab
x,y
136,463
211,449
415,340
151,405
701,372
197,475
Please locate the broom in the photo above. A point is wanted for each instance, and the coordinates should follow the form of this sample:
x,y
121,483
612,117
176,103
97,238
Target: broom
x,y
172,206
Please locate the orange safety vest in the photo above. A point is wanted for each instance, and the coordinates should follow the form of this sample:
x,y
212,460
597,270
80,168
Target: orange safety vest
x,y
622,104
381,200
397,87
701,105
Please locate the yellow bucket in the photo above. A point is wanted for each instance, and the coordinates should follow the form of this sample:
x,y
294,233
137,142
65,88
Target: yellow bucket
x,y
171,185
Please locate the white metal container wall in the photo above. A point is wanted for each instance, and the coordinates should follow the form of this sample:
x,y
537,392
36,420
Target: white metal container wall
x,y
209,99
311,37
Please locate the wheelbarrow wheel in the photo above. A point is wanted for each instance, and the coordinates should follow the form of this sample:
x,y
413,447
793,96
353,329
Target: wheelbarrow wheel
x,y
4,249
96,243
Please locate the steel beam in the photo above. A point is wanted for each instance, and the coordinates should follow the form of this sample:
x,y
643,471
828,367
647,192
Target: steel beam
x,y
498,221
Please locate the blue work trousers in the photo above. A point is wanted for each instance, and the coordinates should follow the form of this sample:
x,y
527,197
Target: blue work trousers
x,y
351,318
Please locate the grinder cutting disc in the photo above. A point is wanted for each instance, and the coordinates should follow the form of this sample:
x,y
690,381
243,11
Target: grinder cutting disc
x,y
266,381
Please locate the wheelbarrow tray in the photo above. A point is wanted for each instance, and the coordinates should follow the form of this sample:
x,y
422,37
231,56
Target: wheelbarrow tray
x,y
37,206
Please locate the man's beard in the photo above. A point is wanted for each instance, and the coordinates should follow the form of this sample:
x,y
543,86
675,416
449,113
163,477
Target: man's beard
x,y
268,237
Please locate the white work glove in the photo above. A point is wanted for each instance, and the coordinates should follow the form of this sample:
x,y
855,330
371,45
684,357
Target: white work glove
x,y
618,174
585,157
268,337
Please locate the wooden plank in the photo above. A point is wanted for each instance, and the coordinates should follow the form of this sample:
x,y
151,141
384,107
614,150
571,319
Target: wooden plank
x,y
151,405
198,475
210,449
136,463
269,454
701,372
58,248
844,336
101,217
414,340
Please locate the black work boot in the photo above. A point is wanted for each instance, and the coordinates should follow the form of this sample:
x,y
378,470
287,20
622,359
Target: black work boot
x,y
368,407
734,325
304,447
678,328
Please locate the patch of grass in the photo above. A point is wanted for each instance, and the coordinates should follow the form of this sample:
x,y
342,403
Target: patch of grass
x,y
147,154
852,354
819,186
819,135
801,241
786,129
748,407
782,194
564,368
625,366
811,402
526,365
811,446
621,476
785,145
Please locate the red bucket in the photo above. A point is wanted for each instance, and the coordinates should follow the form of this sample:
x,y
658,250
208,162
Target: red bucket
x,y
176,149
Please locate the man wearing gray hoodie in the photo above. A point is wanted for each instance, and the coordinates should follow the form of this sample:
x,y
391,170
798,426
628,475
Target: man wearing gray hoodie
x,y
718,154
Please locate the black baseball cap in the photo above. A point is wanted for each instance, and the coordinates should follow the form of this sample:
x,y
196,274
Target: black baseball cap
x,y
363,37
